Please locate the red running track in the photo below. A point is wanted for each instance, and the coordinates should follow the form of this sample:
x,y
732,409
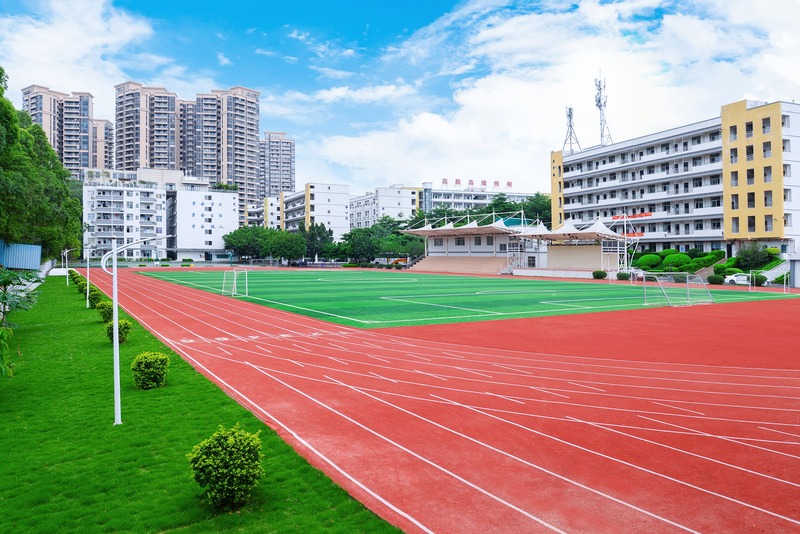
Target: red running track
x,y
620,421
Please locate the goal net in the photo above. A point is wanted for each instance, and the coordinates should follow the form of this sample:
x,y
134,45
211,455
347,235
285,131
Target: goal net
x,y
675,289
234,283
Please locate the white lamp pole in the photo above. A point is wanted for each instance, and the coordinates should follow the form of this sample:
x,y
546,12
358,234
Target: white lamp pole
x,y
115,320
88,267
65,256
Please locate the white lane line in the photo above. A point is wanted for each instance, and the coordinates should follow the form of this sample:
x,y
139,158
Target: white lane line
x,y
706,434
677,408
512,456
683,451
337,360
541,390
383,377
311,448
407,450
516,370
779,432
473,372
377,358
587,387
504,397
431,375
263,349
296,363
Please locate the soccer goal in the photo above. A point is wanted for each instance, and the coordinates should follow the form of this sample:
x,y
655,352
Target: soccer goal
x,y
235,284
675,289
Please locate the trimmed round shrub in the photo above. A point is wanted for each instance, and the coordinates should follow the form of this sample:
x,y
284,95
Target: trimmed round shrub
x,y
398,267
106,310
680,278
124,328
649,260
732,270
623,276
227,465
95,297
715,279
676,260
760,280
599,275
667,252
693,252
150,369
772,251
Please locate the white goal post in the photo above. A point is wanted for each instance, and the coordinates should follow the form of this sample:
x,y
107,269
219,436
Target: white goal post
x,y
675,289
235,283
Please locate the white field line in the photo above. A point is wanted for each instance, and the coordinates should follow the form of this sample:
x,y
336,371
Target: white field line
x,y
677,408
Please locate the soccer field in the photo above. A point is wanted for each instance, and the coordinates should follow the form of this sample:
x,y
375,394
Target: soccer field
x,y
379,299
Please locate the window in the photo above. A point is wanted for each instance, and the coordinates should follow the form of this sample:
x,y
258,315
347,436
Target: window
x,y
768,199
735,225
735,202
751,200
751,176
768,223
785,121
698,204
767,174
208,232
207,208
787,170
714,180
734,178
787,195
460,241
503,247
209,243
748,150
748,129
438,241
716,224
765,125
732,132
787,145
734,155
696,140
478,240
767,148
698,225
490,240
751,224
787,220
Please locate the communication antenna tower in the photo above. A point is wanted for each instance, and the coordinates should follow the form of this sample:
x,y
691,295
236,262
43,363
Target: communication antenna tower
x,y
600,99
572,138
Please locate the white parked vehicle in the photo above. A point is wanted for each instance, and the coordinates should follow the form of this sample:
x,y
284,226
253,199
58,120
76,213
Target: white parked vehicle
x,y
740,279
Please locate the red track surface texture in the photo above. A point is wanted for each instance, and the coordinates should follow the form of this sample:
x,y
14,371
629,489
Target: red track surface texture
x,y
649,421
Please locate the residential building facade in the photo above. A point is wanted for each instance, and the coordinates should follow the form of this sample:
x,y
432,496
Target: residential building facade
x,y
80,141
276,160
722,182
146,127
316,203
459,198
397,202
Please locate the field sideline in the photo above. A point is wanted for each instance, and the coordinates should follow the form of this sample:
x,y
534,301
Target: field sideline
x,y
380,299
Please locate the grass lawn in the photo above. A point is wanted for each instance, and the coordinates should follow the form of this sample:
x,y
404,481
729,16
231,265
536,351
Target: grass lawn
x,y
66,467
379,299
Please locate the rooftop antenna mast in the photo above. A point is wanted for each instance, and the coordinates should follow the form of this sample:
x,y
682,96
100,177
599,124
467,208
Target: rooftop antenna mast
x,y
572,138
600,99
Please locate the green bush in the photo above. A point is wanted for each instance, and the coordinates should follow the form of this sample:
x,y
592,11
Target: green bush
x,y
186,264
752,257
716,279
599,275
676,260
667,252
398,267
761,279
124,329
187,260
694,253
227,465
731,270
106,309
623,276
680,278
780,279
649,260
772,251
95,296
80,285
722,267
150,369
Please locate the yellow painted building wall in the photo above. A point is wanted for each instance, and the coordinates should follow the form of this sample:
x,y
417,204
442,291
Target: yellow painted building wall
x,y
736,141
557,188
308,206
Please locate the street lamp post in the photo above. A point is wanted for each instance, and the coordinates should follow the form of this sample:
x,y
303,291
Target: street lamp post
x,y
115,320
65,262
88,268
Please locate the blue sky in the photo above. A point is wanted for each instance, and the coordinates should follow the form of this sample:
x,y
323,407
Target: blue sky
x,y
377,93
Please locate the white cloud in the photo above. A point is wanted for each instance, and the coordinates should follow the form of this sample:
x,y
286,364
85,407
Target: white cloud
x,y
526,67
380,93
268,53
331,73
222,60
300,36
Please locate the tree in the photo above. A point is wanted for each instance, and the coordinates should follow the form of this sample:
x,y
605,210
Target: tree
x,y
13,295
538,207
35,204
247,241
317,238
289,245
363,246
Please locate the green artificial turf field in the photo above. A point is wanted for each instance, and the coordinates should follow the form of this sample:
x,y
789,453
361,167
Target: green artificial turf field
x,y
379,299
